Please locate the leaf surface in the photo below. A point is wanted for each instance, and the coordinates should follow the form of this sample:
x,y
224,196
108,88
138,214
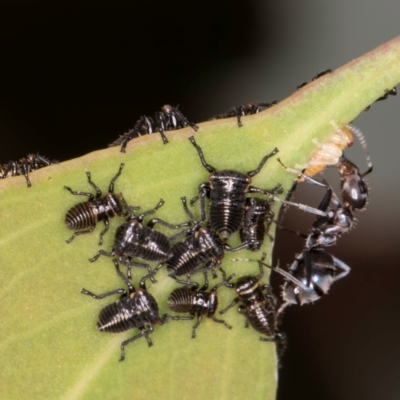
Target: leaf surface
x,y
49,345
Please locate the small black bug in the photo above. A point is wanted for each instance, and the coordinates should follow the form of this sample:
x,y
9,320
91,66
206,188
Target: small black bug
x,y
227,193
259,306
387,93
256,222
201,246
197,302
168,119
319,75
97,208
135,240
23,166
247,109
135,309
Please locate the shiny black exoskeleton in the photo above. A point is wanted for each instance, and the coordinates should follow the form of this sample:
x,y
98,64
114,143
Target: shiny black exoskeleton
x,y
135,240
197,302
168,119
337,221
23,166
202,246
247,109
316,270
135,309
353,187
309,277
256,222
259,306
97,208
227,191
331,223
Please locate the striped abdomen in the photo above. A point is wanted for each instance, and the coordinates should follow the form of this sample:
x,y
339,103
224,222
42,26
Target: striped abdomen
x,y
81,216
132,239
199,248
87,214
254,228
138,310
261,317
227,200
197,302
183,261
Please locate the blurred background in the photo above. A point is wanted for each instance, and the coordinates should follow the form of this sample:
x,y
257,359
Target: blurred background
x,y
76,74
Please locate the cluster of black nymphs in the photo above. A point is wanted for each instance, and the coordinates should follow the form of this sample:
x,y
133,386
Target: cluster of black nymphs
x,y
197,248
23,166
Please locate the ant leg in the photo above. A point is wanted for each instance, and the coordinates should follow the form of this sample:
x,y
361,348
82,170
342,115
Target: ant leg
x,y
340,264
363,142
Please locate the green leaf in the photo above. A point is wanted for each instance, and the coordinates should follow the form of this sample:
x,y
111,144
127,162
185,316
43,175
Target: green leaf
x,y
49,345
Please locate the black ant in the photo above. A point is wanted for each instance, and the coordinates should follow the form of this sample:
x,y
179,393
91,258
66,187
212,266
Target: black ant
x,y
354,189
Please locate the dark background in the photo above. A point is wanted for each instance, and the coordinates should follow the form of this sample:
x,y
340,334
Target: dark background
x,y
76,74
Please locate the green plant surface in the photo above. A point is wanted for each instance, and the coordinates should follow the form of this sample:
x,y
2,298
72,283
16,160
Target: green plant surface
x,y
49,345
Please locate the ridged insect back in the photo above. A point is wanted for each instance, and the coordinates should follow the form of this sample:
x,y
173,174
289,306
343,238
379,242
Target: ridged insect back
x,y
80,216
